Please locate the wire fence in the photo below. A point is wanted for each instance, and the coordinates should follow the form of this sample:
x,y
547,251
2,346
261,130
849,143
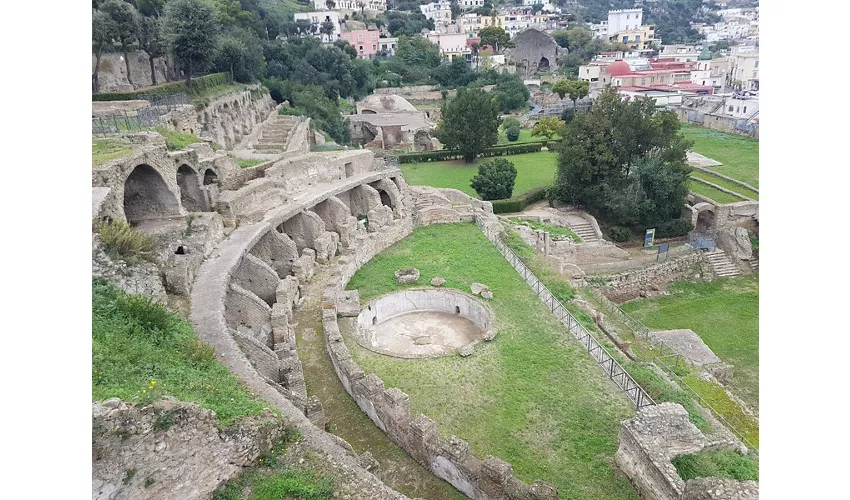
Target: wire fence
x,y
639,397
140,119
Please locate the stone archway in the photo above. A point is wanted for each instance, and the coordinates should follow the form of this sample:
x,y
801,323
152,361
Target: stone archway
x,y
705,220
210,177
385,199
146,196
191,196
543,65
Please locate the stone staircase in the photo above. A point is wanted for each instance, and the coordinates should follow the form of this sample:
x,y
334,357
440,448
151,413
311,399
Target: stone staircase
x,y
275,135
585,231
721,264
754,263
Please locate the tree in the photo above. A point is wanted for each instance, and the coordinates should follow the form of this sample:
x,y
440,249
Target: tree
x,y
562,88
302,26
330,4
191,30
495,37
152,42
418,51
495,179
511,94
624,160
102,33
328,29
150,8
511,122
455,8
230,52
547,127
126,20
470,123
346,47
512,133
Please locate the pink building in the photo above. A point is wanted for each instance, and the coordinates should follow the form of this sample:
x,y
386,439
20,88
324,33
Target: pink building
x,y
366,42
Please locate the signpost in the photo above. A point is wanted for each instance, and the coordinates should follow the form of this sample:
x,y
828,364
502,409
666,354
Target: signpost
x,y
663,248
649,239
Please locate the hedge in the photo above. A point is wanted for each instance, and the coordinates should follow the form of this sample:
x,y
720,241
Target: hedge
x,y
199,86
518,203
673,228
453,154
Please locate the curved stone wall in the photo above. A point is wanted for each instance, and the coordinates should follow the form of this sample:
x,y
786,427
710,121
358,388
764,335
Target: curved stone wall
x,y
425,300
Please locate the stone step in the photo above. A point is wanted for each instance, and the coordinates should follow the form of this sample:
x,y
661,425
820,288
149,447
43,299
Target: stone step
x,y
721,264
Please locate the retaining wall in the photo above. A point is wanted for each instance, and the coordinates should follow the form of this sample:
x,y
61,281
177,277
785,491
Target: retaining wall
x,y
421,300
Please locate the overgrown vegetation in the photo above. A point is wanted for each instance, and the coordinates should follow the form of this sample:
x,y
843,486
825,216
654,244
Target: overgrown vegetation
x,y
717,463
555,232
550,411
244,163
104,150
176,141
518,202
119,238
142,351
470,123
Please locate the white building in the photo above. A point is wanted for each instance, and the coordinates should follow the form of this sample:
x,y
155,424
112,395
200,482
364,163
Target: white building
x,y
387,45
710,72
440,12
681,53
624,20
320,17
451,44
548,5
470,4
371,5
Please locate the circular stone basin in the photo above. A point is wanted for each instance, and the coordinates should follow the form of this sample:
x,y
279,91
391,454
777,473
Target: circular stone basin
x,y
423,323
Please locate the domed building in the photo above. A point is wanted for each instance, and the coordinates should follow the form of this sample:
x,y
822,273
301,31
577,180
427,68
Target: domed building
x,y
619,68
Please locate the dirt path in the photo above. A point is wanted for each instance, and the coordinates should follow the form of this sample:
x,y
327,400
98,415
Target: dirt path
x,y
397,469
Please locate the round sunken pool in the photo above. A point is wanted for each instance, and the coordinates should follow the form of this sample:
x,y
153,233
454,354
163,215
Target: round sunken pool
x,y
422,323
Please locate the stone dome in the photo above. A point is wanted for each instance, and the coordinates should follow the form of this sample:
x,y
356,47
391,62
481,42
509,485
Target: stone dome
x,y
619,67
385,103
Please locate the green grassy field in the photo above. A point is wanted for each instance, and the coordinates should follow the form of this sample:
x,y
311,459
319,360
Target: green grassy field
x,y
532,396
715,194
739,154
533,170
142,351
726,184
724,313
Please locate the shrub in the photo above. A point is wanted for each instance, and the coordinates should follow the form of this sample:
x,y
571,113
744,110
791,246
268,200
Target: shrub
x,y
619,234
495,179
520,202
717,463
119,238
673,228
511,122
512,133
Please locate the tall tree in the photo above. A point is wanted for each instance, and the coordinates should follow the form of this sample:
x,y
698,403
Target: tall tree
x,y
495,37
330,4
302,26
328,29
470,123
102,33
191,29
152,42
126,20
230,51
418,51
624,160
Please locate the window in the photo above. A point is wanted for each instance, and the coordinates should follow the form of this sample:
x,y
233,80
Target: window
x,y
754,74
637,38
625,39
745,109
360,39
373,46
756,65
730,109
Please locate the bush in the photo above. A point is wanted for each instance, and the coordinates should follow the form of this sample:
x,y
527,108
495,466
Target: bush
x,y
450,154
673,228
619,234
118,237
512,133
495,179
199,86
518,203
511,122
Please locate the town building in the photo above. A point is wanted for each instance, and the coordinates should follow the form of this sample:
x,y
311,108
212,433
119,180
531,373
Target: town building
x,y
743,71
440,12
641,38
387,45
624,20
320,17
370,5
364,41
451,44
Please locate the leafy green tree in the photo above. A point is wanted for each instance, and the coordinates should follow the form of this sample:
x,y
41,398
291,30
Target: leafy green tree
x,y
230,52
191,31
578,89
454,74
494,36
126,20
455,8
152,42
562,88
495,179
346,47
330,4
511,94
102,33
512,133
548,126
418,51
511,122
328,29
624,160
302,27
150,8
470,123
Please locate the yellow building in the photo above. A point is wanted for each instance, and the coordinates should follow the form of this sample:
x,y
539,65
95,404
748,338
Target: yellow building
x,y
640,38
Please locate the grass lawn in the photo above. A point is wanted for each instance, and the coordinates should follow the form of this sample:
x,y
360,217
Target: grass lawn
x,y
136,343
532,396
556,232
717,463
724,313
726,184
713,193
533,170
243,163
103,150
739,154
177,140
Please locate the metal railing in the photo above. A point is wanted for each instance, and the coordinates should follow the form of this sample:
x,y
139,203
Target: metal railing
x,y
603,358
140,119
638,328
